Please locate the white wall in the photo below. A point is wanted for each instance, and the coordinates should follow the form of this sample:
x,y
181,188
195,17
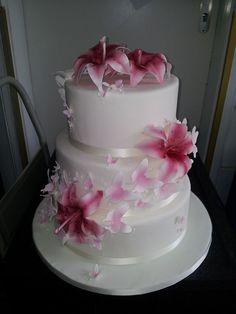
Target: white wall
x,y
58,31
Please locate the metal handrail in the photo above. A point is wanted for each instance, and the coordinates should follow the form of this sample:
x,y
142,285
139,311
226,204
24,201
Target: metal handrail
x,y
9,80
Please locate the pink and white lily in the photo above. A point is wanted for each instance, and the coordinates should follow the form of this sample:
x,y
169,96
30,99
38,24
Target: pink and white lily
x,y
74,216
101,60
172,144
142,62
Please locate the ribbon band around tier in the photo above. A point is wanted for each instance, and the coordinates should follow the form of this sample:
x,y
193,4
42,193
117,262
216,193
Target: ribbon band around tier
x,y
101,151
123,260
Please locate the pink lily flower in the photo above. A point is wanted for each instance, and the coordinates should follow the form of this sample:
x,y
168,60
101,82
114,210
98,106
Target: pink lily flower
x,y
74,213
172,143
142,62
101,60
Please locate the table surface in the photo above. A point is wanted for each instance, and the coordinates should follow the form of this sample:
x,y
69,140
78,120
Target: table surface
x,y
24,276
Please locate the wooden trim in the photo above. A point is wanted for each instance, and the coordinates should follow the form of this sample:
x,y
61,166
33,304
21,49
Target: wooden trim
x,y
13,93
222,93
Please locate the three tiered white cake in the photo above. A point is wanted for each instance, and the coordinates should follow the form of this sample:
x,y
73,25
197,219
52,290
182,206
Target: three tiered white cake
x,y
119,193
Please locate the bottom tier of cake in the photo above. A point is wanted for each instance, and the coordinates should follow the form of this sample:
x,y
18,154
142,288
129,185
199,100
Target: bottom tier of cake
x,y
154,233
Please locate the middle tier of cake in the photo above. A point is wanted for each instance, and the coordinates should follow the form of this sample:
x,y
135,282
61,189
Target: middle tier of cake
x,y
156,228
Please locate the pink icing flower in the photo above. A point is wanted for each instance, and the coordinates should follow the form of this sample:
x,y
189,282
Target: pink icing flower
x,y
142,62
116,191
46,212
74,213
88,183
172,144
113,221
101,60
141,204
117,86
166,190
140,179
53,181
69,114
110,160
93,274
49,187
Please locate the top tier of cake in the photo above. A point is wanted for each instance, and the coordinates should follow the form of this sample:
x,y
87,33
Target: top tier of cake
x,y
118,119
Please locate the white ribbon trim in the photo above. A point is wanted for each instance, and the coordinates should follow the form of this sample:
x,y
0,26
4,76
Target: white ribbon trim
x,y
100,151
123,260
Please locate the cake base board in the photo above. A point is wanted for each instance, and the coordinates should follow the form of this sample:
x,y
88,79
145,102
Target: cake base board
x,y
127,279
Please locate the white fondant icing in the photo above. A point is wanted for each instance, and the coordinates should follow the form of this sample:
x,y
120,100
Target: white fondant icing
x,y
154,230
154,233
118,119
73,160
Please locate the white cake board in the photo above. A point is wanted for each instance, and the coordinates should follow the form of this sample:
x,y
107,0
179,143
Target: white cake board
x,y
128,279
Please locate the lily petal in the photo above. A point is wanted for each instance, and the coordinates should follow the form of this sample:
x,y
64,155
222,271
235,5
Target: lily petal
x,y
116,192
119,62
172,169
96,72
90,202
155,131
79,66
90,227
113,220
157,68
136,74
88,183
69,196
139,177
154,148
